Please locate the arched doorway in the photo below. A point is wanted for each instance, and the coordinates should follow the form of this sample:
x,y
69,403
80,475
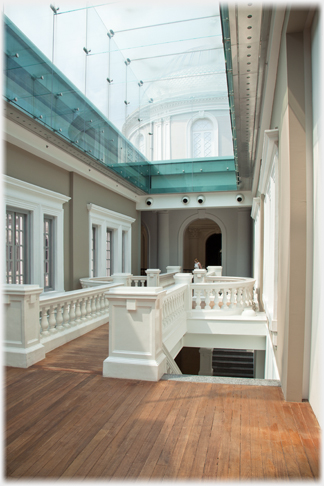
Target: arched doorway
x,y
196,235
214,249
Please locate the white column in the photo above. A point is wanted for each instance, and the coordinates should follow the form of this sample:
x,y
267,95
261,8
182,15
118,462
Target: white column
x,y
157,135
199,275
135,334
166,138
206,361
22,325
153,275
163,240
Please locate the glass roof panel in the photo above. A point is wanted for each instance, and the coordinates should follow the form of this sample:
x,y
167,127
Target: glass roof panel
x,y
150,69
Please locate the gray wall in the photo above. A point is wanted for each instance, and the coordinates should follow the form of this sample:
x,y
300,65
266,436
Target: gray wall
x,y
237,237
27,167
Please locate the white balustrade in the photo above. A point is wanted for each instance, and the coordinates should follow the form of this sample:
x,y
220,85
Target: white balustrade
x,y
63,315
139,281
226,295
95,281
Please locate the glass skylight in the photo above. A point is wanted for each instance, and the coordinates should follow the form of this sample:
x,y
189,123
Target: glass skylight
x,y
150,69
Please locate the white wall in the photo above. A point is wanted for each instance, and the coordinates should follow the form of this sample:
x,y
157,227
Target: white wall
x,y
318,261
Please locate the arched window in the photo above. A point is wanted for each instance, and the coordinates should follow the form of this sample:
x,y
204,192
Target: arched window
x,y
202,137
140,143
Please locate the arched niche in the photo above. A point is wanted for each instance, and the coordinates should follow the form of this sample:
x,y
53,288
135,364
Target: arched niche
x,y
182,235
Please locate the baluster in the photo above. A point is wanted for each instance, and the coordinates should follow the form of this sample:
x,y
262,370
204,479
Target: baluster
x,y
66,315
98,306
215,297
88,307
72,321
59,318
44,322
227,296
244,298
106,303
135,282
103,304
77,311
52,320
232,299
198,299
94,305
207,300
83,308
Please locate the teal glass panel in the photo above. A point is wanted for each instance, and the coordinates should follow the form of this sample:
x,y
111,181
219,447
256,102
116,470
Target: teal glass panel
x,y
41,90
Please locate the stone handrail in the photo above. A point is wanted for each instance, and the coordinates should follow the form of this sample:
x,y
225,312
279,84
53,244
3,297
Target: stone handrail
x,y
95,281
228,295
167,279
174,316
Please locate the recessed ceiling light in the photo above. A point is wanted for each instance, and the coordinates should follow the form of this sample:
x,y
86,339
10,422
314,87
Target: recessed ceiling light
x,y
249,47
249,16
249,55
248,63
250,27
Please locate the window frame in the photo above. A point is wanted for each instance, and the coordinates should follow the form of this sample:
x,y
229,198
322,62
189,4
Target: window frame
x,y
38,202
26,250
117,223
51,220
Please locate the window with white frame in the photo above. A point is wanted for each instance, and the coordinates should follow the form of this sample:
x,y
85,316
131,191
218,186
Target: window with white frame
x,y
28,207
17,247
49,253
109,259
94,237
202,136
113,240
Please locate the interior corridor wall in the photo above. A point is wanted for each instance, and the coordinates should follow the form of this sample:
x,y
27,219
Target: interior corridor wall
x,y
289,117
316,361
236,226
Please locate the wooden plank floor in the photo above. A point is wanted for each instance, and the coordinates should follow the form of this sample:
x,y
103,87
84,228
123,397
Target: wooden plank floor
x,y
64,420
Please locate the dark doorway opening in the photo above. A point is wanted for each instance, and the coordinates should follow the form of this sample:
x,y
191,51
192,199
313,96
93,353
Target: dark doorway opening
x,y
214,250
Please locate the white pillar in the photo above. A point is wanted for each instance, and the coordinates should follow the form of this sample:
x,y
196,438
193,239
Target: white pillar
x,y
206,361
153,277
22,325
163,240
199,275
135,334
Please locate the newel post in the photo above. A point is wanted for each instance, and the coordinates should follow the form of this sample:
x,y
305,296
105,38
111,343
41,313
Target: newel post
x,y
199,275
135,334
22,347
153,277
